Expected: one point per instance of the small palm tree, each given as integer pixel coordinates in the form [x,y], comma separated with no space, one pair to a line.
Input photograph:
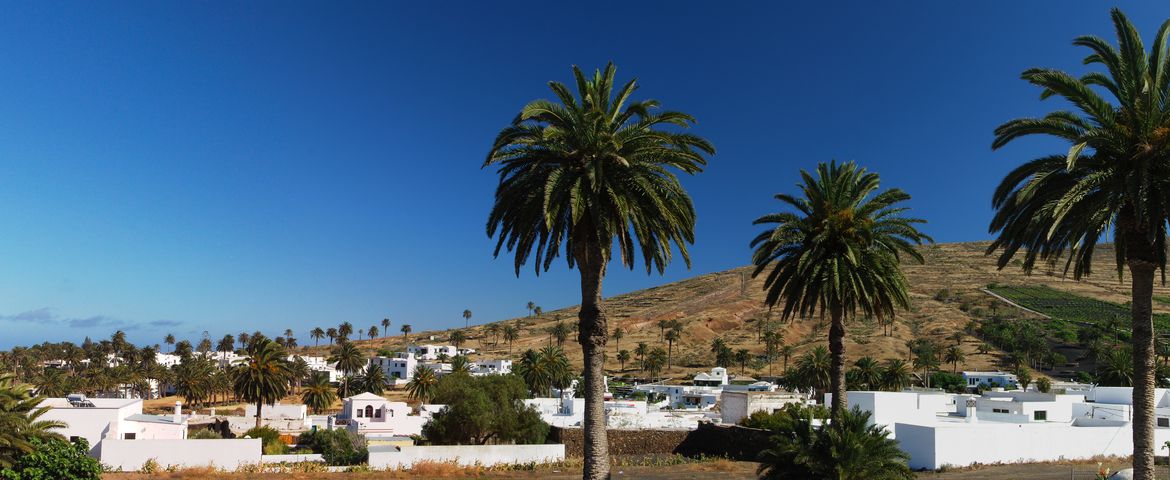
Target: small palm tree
[742,356]
[372,331]
[264,377]
[332,334]
[623,357]
[386,326]
[953,356]
[895,375]
[617,336]
[839,251]
[531,306]
[316,334]
[466,318]
[422,383]
[405,329]
[457,338]
[169,340]
[461,365]
[318,393]
[868,373]
[851,449]
[511,334]
[349,360]
[344,330]
[493,330]
[374,379]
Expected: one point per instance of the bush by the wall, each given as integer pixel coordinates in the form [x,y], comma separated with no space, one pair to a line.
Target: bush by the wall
[55,459]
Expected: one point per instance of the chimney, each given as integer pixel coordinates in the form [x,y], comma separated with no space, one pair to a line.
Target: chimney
[971,418]
[178,418]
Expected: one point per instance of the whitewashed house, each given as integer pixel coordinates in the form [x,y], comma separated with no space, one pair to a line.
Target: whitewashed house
[991,379]
[734,406]
[98,419]
[491,367]
[399,368]
[432,352]
[370,414]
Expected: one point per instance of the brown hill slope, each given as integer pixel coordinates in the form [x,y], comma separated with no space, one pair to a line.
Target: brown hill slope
[728,304]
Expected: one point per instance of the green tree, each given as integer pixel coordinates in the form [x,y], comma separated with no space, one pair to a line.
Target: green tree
[851,449]
[493,329]
[422,383]
[839,252]
[52,459]
[741,357]
[374,380]
[588,173]
[895,375]
[318,393]
[20,424]
[671,336]
[617,336]
[483,409]
[457,338]
[655,360]
[460,365]
[1112,177]
[954,356]
[264,377]
[641,351]
[511,334]
[406,329]
[623,357]
[372,331]
[337,447]
[349,360]
[385,326]
[544,370]
[868,373]
[344,330]
[316,334]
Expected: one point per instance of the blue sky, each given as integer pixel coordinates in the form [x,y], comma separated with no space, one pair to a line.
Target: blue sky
[181,167]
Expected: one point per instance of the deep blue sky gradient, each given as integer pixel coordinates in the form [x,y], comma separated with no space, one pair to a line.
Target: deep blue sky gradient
[181,167]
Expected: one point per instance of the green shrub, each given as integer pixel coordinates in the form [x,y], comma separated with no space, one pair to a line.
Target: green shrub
[337,447]
[204,434]
[270,438]
[948,381]
[779,419]
[55,459]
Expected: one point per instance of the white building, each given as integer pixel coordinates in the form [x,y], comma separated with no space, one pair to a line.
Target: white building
[717,378]
[370,414]
[98,419]
[278,411]
[432,352]
[167,360]
[991,379]
[491,367]
[734,406]
[399,367]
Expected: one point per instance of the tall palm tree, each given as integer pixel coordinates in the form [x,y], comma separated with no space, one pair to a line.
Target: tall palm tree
[839,251]
[531,305]
[457,338]
[226,344]
[493,330]
[385,326]
[20,423]
[318,393]
[617,336]
[641,350]
[317,334]
[868,373]
[349,360]
[584,174]
[623,356]
[538,311]
[1115,177]
[405,329]
[344,330]
[332,334]
[264,377]
[169,340]
[466,318]
[422,383]
[372,331]
[360,332]
[672,336]
[742,356]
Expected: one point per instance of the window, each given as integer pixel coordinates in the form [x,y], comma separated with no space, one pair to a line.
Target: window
[1040,415]
[74,438]
[369,411]
[359,413]
[128,436]
[378,413]
[1000,410]
[1163,422]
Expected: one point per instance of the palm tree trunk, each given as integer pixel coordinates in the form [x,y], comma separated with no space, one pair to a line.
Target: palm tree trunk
[591,334]
[259,405]
[837,356]
[1142,272]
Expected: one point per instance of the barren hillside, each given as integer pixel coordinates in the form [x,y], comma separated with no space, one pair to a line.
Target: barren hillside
[729,305]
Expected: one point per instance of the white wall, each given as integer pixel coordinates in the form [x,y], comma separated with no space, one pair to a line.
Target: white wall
[277,411]
[961,445]
[130,455]
[387,456]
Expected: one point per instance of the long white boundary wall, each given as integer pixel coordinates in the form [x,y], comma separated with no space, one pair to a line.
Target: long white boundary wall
[130,455]
[387,456]
[933,446]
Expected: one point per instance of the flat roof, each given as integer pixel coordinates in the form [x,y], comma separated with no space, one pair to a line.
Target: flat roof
[98,403]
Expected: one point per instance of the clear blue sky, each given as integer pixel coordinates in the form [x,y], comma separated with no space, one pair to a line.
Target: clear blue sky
[220,166]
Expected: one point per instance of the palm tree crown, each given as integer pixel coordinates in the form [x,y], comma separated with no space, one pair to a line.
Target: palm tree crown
[837,250]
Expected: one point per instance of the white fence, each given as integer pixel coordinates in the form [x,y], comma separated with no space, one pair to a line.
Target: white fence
[387,456]
[130,455]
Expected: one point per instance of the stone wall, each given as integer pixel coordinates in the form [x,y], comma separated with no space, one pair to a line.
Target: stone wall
[735,442]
